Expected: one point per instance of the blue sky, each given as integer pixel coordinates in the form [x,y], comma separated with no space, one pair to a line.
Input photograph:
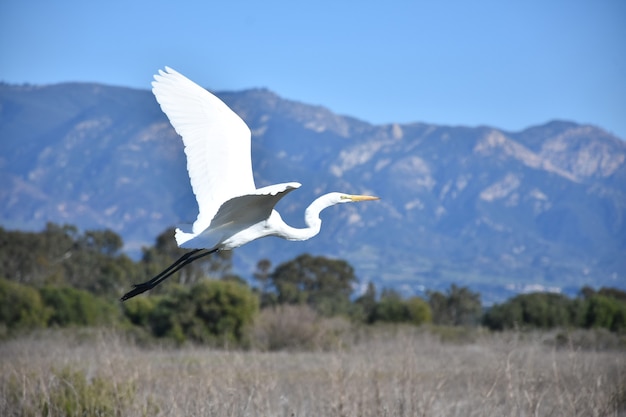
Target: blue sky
[508,64]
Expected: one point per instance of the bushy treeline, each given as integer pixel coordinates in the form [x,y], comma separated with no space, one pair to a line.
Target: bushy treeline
[92,260]
[24,306]
[62,277]
[605,308]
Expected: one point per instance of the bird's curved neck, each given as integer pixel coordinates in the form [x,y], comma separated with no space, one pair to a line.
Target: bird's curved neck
[311,218]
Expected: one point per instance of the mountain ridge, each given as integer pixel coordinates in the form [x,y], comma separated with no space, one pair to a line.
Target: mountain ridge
[473,205]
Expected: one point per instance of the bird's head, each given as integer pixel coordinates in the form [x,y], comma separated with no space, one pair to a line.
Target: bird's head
[349,198]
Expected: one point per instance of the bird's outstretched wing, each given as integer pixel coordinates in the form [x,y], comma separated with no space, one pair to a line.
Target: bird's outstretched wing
[252,208]
[217,142]
[236,215]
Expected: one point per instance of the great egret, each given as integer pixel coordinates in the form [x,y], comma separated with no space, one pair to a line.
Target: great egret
[232,211]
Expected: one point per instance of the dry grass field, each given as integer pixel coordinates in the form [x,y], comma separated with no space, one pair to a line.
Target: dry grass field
[380,372]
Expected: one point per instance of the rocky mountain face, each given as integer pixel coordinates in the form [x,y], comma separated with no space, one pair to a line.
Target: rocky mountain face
[498,211]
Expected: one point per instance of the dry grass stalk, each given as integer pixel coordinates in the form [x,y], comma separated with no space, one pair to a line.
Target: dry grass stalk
[402,372]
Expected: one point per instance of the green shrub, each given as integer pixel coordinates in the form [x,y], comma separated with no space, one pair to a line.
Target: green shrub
[606,312]
[225,307]
[393,309]
[210,311]
[139,309]
[21,307]
[390,309]
[418,311]
[164,320]
[69,306]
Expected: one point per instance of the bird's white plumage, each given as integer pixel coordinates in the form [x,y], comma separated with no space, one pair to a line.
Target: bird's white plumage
[217,142]
[232,212]
[235,215]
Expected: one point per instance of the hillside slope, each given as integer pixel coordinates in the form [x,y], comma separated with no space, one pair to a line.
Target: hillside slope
[479,206]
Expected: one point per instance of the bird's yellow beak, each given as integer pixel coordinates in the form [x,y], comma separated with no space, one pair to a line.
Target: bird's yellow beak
[356,198]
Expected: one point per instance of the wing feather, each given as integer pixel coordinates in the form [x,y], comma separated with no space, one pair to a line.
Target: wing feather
[236,215]
[217,142]
[251,208]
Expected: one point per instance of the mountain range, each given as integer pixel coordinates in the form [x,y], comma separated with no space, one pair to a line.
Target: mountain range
[501,212]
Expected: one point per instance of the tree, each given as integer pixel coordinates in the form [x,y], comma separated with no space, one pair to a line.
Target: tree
[366,304]
[541,309]
[439,306]
[503,316]
[613,293]
[263,275]
[390,308]
[325,284]
[208,311]
[263,272]
[545,310]
[459,306]
[60,255]
[604,311]
[105,241]
[35,258]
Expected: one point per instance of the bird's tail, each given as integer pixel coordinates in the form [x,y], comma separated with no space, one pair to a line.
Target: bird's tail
[183,234]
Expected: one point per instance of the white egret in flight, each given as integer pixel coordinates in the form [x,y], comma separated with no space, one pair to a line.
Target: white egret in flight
[232,211]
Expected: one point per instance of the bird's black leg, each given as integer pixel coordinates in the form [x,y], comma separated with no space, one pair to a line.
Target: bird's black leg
[176,264]
[186,259]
